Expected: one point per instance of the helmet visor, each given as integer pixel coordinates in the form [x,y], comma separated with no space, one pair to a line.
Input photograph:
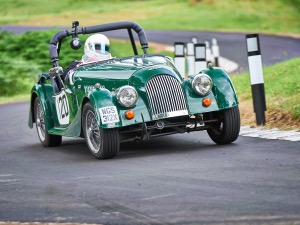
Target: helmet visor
[101,48]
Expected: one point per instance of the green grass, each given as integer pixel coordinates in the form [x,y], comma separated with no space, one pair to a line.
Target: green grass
[282,87]
[22,59]
[16,98]
[263,16]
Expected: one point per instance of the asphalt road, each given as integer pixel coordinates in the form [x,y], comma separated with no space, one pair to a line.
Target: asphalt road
[179,179]
[232,45]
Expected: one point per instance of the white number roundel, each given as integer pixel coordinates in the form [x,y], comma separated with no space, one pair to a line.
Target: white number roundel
[62,108]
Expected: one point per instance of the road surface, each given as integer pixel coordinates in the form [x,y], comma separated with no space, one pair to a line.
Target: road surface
[179,179]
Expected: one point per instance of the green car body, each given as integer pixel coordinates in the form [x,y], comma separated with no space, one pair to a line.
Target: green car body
[166,103]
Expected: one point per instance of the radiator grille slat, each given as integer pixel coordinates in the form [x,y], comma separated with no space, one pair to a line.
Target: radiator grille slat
[166,97]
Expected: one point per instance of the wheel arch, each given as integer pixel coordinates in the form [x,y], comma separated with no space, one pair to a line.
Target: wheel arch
[31,118]
[101,98]
[84,101]
[223,89]
[37,92]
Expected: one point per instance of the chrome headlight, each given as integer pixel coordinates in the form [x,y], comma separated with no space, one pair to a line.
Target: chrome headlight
[127,96]
[202,84]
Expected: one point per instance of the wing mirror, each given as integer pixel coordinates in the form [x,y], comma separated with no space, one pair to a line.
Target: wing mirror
[75,43]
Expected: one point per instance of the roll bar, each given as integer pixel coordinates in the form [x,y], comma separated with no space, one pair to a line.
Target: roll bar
[55,42]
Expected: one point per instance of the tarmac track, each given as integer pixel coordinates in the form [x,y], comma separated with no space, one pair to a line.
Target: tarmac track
[232,45]
[178,179]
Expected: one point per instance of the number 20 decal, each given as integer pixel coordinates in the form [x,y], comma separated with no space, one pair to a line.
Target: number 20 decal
[62,108]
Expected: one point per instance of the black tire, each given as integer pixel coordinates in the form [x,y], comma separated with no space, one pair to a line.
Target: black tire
[228,128]
[102,143]
[47,140]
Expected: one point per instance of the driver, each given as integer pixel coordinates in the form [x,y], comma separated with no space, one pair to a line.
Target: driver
[96,48]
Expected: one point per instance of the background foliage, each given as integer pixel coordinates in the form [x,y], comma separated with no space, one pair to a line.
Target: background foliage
[263,16]
[24,57]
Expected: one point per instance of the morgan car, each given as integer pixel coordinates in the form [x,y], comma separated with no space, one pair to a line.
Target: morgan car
[133,98]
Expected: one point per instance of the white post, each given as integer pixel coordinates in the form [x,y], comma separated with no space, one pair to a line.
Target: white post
[256,78]
[215,51]
[209,57]
[194,40]
[190,58]
[200,57]
[179,59]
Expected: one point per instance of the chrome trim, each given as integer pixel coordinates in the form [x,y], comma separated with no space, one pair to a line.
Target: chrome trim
[193,79]
[118,92]
[166,97]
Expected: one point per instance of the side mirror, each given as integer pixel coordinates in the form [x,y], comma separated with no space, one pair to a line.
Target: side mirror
[75,43]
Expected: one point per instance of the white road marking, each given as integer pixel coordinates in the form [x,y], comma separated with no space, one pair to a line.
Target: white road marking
[8,180]
[5,175]
[159,196]
[292,135]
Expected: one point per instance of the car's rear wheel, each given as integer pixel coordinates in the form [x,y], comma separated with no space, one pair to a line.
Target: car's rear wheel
[102,143]
[227,129]
[47,140]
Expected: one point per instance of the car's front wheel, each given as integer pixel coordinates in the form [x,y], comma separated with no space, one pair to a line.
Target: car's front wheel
[48,140]
[102,143]
[227,129]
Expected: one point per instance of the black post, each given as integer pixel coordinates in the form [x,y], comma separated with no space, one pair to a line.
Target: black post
[256,78]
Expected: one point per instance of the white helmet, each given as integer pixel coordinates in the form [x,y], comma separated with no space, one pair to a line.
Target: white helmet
[96,48]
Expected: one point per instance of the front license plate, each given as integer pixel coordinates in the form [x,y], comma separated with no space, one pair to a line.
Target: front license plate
[109,114]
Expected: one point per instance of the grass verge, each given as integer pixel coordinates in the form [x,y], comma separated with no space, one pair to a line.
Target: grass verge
[276,16]
[282,89]
[15,98]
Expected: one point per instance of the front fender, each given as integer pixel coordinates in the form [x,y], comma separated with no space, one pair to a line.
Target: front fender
[40,91]
[223,89]
[223,95]
[103,98]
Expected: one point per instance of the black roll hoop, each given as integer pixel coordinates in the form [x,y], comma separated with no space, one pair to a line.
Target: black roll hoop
[54,46]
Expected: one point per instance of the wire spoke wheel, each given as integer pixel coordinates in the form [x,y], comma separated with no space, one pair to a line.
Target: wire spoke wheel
[93,132]
[40,122]
[102,143]
[47,140]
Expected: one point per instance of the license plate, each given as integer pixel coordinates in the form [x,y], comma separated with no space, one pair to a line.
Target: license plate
[109,114]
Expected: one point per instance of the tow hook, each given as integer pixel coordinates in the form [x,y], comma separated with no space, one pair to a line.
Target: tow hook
[160,124]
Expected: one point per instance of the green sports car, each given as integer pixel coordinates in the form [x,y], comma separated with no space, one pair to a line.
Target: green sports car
[128,99]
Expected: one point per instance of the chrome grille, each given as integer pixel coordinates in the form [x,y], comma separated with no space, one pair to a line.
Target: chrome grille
[166,97]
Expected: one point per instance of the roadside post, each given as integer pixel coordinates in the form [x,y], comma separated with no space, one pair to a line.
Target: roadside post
[190,58]
[179,59]
[194,40]
[256,78]
[215,51]
[209,56]
[200,57]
